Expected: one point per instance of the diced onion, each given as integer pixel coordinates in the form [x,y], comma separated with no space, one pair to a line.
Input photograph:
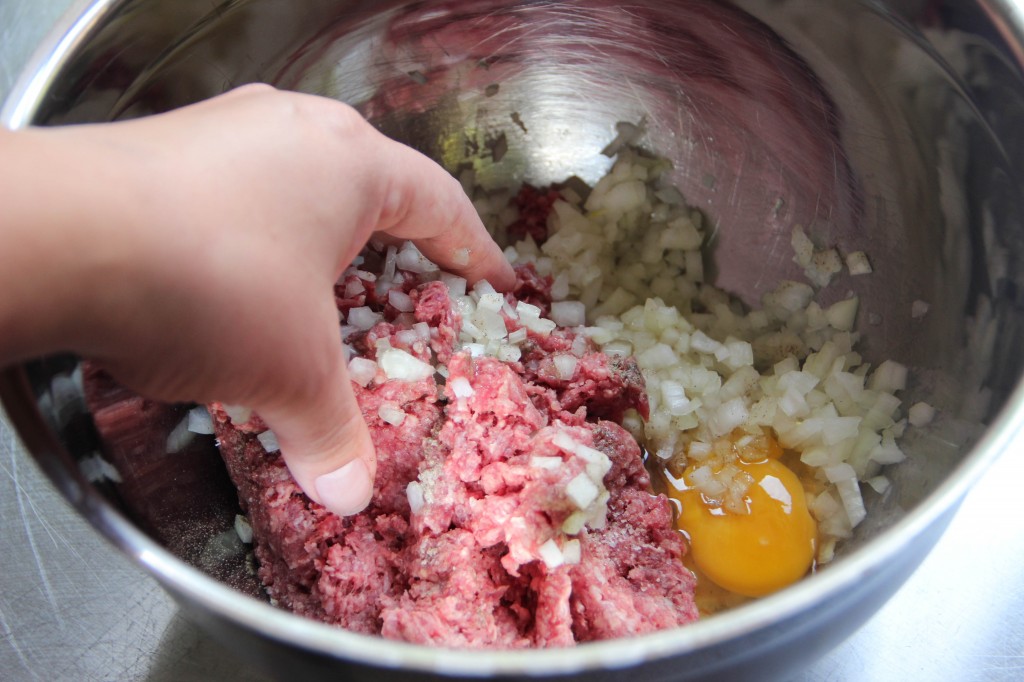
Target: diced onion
[390,259]
[401,301]
[803,247]
[411,260]
[921,414]
[527,310]
[407,337]
[887,453]
[391,414]
[565,365]
[548,463]
[268,439]
[539,325]
[704,480]
[699,450]
[568,313]
[491,302]
[550,554]
[840,472]
[879,484]
[363,318]
[354,288]
[422,330]
[507,353]
[582,491]
[200,421]
[414,493]
[475,350]
[849,493]
[179,437]
[890,376]
[574,523]
[843,314]
[858,264]
[461,388]
[398,364]
[243,529]
[362,370]
[456,285]
[482,288]
[238,414]
[572,552]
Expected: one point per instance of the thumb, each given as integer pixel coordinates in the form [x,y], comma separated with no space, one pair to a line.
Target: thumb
[326,444]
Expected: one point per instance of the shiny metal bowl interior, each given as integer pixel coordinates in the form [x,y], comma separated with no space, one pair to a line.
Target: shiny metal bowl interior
[892,129]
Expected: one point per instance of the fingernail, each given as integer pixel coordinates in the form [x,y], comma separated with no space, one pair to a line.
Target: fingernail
[346,490]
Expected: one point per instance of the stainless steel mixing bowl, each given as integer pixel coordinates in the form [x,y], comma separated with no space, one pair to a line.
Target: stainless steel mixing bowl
[889,128]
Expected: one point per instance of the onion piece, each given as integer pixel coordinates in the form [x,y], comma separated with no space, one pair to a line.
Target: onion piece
[548,463]
[200,421]
[582,491]
[398,364]
[411,260]
[243,529]
[390,259]
[890,376]
[363,318]
[550,554]
[843,314]
[268,439]
[920,414]
[461,388]
[853,504]
[354,288]
[401,301]
[565,365]
[572,552]
[237,413]
[568,313]
[391,414]
[456,285]
[179,437]
[362,370]
[414,493]
[858,264]
[508,353]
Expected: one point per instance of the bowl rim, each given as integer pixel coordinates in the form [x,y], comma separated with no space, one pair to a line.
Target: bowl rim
[70,32]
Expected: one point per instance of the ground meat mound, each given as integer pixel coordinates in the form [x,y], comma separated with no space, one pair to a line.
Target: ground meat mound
[510,509]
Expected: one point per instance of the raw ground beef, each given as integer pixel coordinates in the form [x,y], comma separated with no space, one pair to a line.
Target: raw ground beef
[486,527]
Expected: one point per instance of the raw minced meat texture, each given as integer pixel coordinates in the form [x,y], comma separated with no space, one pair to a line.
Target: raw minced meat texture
[510,509]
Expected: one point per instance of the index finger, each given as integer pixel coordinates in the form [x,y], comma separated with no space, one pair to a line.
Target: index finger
[427,205]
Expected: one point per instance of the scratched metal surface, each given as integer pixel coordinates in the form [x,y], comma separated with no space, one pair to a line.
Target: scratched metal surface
[73,608]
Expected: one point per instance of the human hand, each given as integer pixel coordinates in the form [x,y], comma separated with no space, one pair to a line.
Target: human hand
[210,277]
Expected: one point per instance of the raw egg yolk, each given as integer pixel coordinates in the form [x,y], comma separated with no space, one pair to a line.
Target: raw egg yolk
[751,554]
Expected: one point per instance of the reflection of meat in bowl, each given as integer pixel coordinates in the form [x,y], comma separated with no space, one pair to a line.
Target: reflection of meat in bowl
[770,123]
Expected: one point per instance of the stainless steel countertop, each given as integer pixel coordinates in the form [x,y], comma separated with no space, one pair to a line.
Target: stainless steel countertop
[74,608]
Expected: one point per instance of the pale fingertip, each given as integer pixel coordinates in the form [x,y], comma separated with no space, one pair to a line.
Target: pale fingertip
[347,490]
